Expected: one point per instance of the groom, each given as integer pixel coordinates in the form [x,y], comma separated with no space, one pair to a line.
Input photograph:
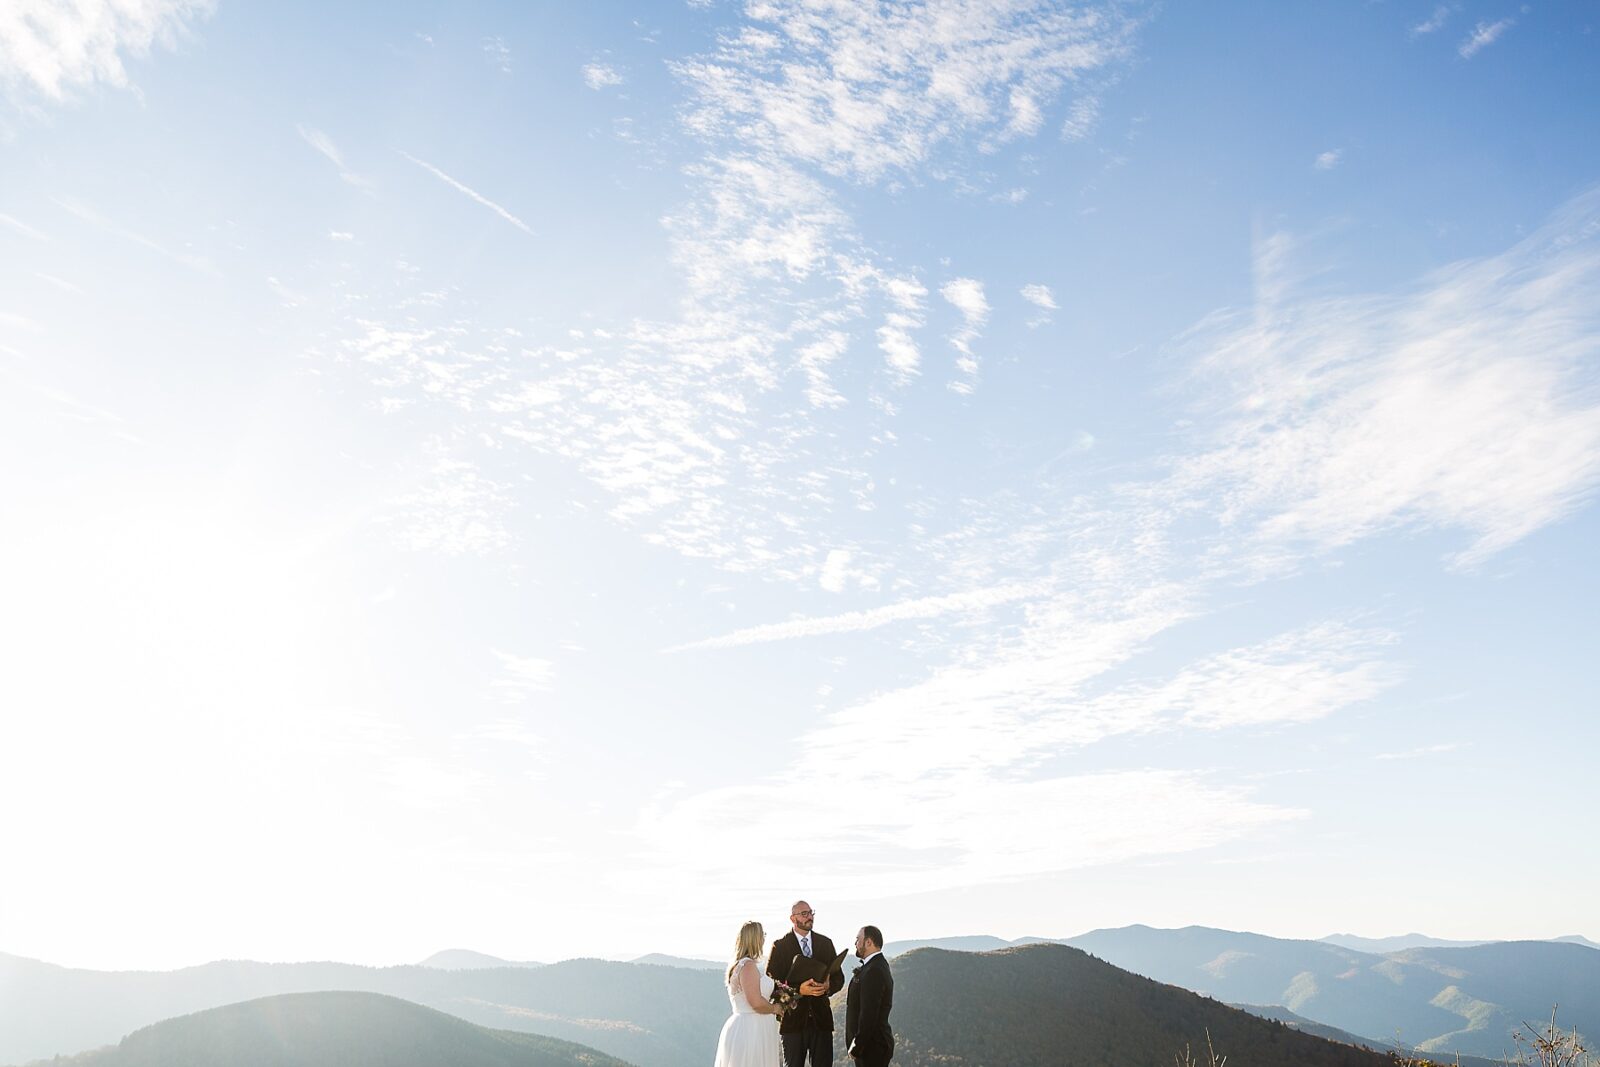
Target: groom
[808,1028]
[867,1036]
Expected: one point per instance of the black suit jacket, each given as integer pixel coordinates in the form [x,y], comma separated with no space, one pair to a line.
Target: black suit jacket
[817,1010]
[866,1012]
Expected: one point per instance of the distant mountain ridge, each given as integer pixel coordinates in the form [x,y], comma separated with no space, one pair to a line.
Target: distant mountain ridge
[464,959]
[657,1016]
[693,963]
[1386,945]
[334,1030]
[967,943]
[1578,939]
[1382,945]
[1451,999]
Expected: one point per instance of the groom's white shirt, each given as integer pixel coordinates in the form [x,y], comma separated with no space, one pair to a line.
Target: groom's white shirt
[872,957]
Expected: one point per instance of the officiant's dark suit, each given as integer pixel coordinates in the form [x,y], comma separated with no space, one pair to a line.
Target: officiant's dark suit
[807,1030]
[866,1007]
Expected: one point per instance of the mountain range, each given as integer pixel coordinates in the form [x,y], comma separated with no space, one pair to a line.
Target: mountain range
[659,1010]
[1049,1004]
[333,1030]
[1446,999]
[636,1012]
[1436,996]
[1039,1005]
[1382,945]
[464,959]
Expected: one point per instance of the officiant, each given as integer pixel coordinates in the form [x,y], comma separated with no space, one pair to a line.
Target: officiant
[807,1030]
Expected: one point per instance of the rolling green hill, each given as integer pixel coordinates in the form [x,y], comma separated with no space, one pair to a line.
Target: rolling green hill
[334,1030]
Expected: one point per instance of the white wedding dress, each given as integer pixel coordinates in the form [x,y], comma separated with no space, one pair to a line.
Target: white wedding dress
[748,1039]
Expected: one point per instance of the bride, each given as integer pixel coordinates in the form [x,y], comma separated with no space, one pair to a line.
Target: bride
[750,1036]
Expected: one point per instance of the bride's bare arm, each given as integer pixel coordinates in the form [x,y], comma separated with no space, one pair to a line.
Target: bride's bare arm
[750,982]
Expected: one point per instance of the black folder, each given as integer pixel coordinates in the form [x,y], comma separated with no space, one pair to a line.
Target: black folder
[814,968]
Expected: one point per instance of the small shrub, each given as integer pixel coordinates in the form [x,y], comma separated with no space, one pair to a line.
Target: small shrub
[1550,1046]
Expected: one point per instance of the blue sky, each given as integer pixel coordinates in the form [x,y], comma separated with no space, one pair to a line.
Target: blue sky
[564,479]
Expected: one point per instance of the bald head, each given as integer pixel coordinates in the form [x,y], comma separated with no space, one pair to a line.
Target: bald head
[803,918]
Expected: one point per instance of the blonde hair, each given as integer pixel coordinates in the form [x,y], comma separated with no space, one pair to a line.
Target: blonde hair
[751,940]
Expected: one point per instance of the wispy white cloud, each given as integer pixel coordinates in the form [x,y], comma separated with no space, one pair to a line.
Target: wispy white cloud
[52,49]
[959,833]
[66,406]
[18,226]
[1423,751]
[1459,403]
[87,214]
[966,296]
[835,570]
[509,731]
[452,508]
[498,53]
[971,746]
[1026,115]
[599,76]
[862,90]
[718,433]
[1483,35]
[1296,677]
[1040,296]
[895,338]
[1435,21]
[471,193]
[815,359]
[522,676]
[1082,118]
[324,144]
[11,320]
[977,600]
[1329,159]
[60,283]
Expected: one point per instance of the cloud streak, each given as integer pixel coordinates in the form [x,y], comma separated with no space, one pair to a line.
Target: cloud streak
[330,151]
[1483,35]
[858,621]
[472,194]
[87,214]
[18,226]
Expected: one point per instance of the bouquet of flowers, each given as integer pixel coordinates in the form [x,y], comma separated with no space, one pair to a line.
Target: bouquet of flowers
[785,996]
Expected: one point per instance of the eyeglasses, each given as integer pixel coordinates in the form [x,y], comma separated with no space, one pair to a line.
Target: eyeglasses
[803,914]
